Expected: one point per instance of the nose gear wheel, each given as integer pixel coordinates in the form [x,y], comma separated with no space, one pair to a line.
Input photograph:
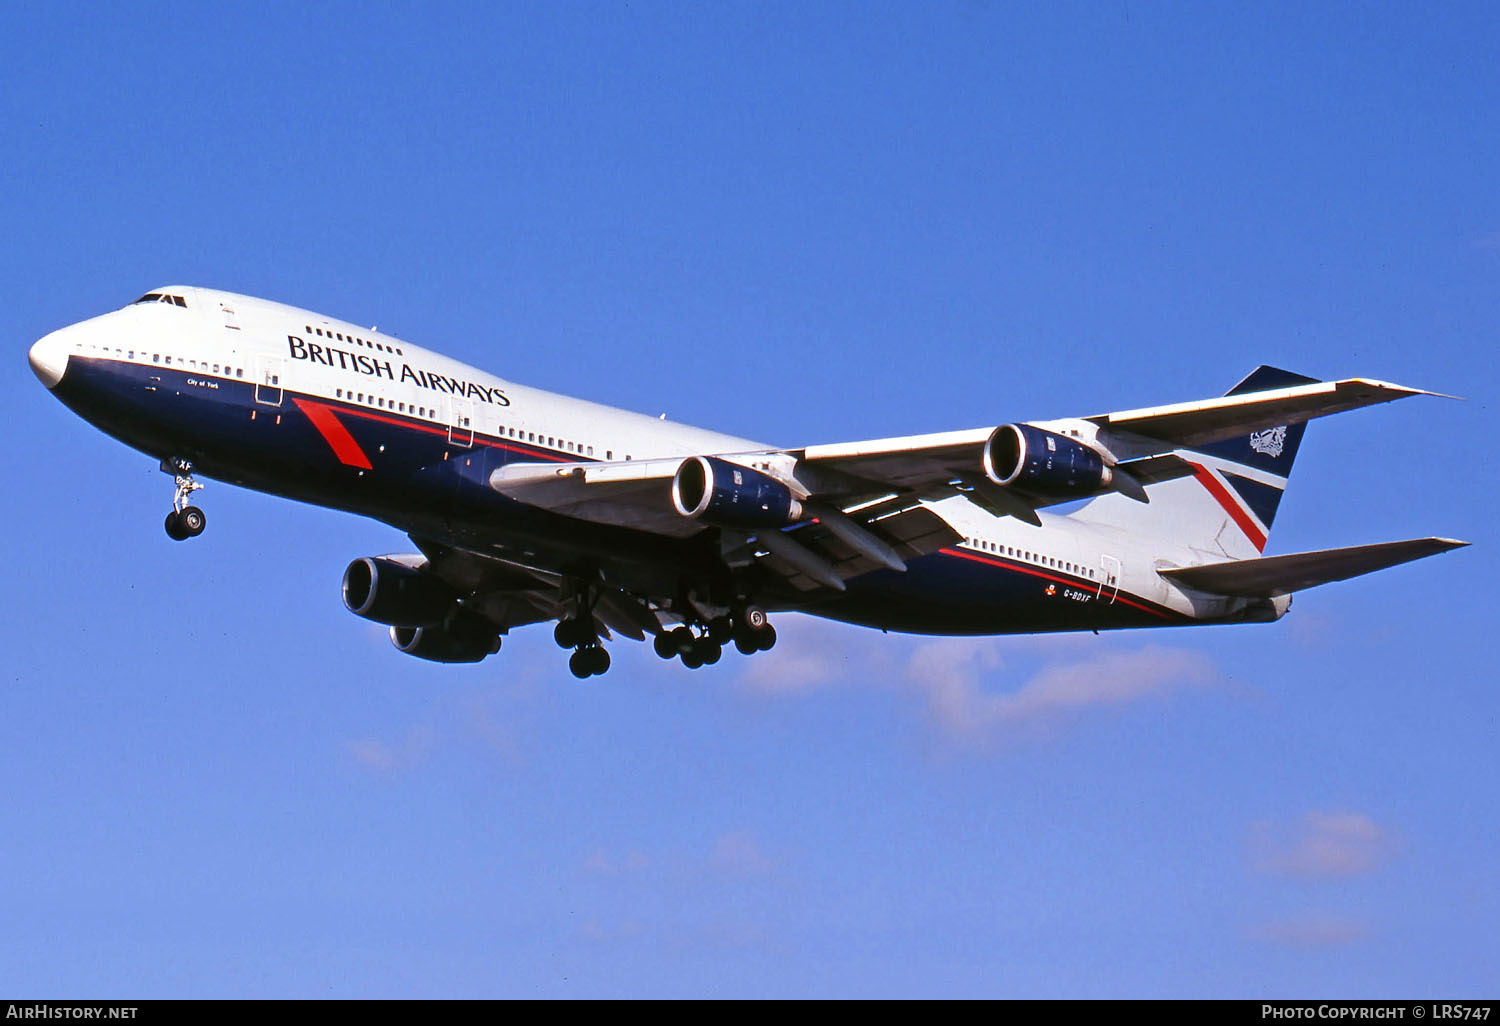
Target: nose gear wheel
[184,521]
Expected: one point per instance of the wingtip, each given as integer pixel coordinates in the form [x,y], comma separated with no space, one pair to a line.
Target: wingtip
[1405,390]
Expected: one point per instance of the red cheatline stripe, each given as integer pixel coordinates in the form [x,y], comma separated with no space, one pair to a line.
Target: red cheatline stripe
[1167,614]
[1209,480]
[332,412]
[479,438]
[335,434]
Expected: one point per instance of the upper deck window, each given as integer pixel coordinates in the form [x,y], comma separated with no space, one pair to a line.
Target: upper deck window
[161,297]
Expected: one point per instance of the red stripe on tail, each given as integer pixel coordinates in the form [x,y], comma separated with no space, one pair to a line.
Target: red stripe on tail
[1215,487]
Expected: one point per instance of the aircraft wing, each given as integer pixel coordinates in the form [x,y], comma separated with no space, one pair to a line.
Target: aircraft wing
[1214,420]
[1282,575]
[627,493]
[863,502]
[511,594]
[952,462]
[844,530]
[915,461]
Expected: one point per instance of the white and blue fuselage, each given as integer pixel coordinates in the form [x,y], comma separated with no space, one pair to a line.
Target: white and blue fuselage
[297,404]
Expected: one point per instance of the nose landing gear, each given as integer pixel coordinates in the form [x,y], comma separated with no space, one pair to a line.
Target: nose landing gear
[184,521]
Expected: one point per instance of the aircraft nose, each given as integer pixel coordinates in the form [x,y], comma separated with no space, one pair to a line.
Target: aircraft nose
[49,358]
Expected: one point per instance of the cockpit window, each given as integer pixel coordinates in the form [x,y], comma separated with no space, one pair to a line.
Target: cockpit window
[161,297]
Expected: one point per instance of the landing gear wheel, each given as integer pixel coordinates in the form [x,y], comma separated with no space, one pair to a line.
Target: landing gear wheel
[564,634]
[682,640]
[691,659]
[750,640]
[184,521]
[598,659]
[665,645]
[191,521]
[753,617]
[580,664]
[765,638]
[707,650]
[588,661]
[720,629]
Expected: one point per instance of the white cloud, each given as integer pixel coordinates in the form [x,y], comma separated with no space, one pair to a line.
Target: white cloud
[691,894]
[809,654]
[600,864]
[1327,845]
[1311,931]
[389,758]
[951,672]
[738,854]
[959,680]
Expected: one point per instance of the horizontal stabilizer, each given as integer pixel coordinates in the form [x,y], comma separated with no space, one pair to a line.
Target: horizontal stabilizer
[1282,575]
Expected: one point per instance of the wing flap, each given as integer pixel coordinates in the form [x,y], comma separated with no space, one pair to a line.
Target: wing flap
[910,531]
[1282,575]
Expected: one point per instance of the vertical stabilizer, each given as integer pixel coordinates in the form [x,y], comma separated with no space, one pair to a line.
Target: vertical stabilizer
[1226,508]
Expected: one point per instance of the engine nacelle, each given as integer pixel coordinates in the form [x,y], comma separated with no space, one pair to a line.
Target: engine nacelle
[465,638]
[1044,462]
[719,492]
[381,589]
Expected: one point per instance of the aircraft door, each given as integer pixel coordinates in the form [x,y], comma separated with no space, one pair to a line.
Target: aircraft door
[460,422]
[1109,578]
[268,371]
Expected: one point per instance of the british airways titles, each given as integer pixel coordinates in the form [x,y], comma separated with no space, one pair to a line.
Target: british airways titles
[362,363]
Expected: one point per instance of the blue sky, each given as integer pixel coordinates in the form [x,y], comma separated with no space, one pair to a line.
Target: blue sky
[798,225]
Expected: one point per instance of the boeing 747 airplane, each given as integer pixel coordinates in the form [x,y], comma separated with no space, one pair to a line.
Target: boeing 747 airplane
[529,507]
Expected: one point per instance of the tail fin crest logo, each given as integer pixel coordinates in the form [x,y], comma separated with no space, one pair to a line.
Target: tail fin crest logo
[1270,441]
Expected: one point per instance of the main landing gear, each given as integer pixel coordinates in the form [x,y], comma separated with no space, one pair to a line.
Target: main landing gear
[747,627]
[589,658]
[184,521]
[697,642]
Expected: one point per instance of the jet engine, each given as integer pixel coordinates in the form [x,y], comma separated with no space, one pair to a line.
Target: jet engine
[463,638]
[387,591]
[719,492]
[1044,462]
